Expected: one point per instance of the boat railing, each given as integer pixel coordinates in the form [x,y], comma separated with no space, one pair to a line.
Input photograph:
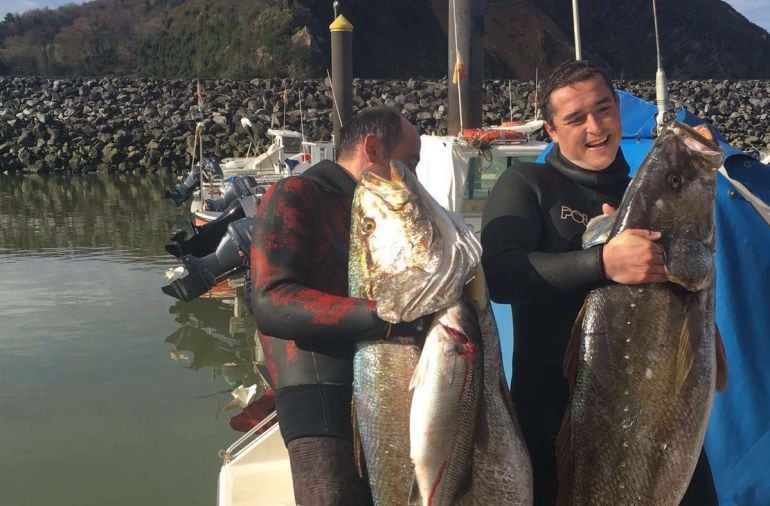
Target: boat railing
[232,451]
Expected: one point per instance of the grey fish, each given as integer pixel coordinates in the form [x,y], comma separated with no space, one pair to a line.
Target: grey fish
[501,469]
[643,359]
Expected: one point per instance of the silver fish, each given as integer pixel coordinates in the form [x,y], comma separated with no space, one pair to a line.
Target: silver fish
[446,393]
[411,257]
[414,258]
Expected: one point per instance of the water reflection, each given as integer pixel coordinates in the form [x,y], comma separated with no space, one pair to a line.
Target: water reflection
[83,330]
[212,338]
[94,214]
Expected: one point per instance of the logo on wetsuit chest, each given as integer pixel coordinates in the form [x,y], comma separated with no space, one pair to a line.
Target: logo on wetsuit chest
[574,215]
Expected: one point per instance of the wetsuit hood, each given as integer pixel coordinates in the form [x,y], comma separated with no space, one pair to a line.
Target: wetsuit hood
[331,177]
[615,173]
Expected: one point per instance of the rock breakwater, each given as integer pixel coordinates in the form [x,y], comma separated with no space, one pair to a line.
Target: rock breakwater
[146,125]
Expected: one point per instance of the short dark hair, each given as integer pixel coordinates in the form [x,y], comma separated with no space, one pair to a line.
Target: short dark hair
[384,122]
[566,74]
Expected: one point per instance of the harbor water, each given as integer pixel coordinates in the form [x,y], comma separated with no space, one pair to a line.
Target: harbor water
[112,392]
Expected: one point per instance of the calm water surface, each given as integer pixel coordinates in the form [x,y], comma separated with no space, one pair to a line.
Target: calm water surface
[111,392]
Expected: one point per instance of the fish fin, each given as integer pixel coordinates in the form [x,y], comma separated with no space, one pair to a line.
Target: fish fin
[358,449]
[418,376]
[415,498]
[685,353]
[572,353]
[564,460]
[598,230]
[721,362]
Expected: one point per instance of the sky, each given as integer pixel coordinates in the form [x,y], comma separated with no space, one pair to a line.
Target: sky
[756,11]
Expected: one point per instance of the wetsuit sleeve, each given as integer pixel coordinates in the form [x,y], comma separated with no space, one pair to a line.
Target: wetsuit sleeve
[516,267]
[283,305]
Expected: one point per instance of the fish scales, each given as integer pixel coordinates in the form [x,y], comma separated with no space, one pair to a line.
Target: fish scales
[446,388]
[382,399]
[414,259]
[644,446]
[643,364]
[501,472]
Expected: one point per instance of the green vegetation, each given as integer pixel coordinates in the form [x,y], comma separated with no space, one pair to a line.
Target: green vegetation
[163,38]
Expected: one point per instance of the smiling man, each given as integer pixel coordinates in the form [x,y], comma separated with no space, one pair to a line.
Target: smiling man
[533,260]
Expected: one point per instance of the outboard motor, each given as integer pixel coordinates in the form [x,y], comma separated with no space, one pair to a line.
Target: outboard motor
[241,186]
[207,237]
[182,192]
[230,258]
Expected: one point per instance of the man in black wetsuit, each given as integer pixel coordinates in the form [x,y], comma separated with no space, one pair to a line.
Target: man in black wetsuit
[531,234]
[307,324]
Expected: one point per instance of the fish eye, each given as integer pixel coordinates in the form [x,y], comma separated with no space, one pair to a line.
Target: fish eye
[368,225]
[674,181]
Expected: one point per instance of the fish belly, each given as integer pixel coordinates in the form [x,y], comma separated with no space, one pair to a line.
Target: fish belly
[382,371]
[636,431]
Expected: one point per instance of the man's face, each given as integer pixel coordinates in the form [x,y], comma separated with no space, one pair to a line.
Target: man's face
[586,123]
[407,150]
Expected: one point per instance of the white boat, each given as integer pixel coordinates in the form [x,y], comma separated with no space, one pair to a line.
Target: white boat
[288,154]
[255,469]
[459,173]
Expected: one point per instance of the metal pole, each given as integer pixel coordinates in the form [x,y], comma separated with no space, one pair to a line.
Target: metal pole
[576,29]
[661,88]
[466,64]
[342,71]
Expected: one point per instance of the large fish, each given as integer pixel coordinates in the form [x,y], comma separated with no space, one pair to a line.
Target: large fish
[412,257]
[643,359]
[447,408]
[501,469]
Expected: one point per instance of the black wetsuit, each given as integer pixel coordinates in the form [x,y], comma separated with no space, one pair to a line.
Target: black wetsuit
[307,326]
[531,234]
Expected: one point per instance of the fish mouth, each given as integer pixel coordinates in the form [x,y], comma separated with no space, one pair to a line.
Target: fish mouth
[701,141]
[599,144]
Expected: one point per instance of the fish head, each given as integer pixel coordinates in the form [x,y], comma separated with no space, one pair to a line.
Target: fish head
[406,252]
[673,189]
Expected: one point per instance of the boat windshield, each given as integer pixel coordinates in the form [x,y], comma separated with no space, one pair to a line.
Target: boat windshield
[482,176]
[292,145]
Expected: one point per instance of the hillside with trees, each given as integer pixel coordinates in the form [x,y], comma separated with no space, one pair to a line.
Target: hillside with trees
[393,39]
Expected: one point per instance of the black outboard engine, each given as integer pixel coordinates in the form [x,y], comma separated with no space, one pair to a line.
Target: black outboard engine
[231,257]
[241,186]
[182,192]
[242,202]
[207,237]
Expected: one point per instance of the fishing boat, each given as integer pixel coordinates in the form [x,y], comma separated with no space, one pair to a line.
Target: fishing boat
[288,154]
[229,190]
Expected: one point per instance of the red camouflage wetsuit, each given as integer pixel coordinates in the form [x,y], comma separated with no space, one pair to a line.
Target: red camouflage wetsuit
[307,325]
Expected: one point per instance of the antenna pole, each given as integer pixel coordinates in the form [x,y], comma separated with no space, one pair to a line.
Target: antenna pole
[661,88]
[576,29]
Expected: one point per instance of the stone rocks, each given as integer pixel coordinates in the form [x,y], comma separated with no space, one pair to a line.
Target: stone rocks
[118,125]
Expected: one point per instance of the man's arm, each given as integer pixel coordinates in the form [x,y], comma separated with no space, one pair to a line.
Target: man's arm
[282,241]
[516,269]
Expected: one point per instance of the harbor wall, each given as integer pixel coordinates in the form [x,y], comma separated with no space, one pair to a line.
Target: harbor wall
[147,125]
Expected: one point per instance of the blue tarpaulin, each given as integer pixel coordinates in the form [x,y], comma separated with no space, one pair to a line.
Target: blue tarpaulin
[738,437]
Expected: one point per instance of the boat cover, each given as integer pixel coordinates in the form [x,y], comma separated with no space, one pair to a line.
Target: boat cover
[738,437]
